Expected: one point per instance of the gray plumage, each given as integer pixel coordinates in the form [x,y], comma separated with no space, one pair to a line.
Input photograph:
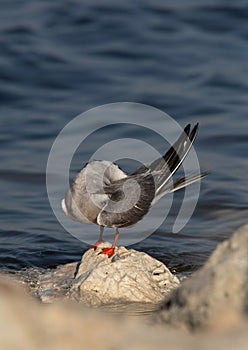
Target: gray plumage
[103,194]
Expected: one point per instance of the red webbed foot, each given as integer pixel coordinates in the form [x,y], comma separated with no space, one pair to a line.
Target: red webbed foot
[108,251]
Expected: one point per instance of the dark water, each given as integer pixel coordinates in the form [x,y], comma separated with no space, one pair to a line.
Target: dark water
[59,59]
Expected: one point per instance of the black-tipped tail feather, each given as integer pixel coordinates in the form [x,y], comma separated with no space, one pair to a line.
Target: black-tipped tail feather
[164,167]
[178,184]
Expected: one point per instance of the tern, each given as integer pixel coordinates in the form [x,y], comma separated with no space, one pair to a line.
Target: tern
[104,195]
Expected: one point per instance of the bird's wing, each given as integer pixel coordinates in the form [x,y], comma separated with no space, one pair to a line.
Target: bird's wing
[174,157]
[127,204]
[176,185]
[163,168]
[129,200]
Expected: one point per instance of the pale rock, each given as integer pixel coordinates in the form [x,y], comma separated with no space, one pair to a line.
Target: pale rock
[129,276]
[219,288]
[26,324]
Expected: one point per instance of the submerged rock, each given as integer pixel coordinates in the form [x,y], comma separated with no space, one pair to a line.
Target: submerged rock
[128,277]
[216,291]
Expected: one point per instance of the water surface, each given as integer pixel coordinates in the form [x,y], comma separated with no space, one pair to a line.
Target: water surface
[59,59]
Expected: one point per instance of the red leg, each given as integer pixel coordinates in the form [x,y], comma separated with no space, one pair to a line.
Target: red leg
[100,239]
[110,251]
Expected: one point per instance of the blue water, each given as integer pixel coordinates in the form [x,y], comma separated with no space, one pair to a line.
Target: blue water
[59,59]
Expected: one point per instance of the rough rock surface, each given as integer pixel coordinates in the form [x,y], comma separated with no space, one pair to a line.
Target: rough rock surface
[26,324]
[128,277]
[221,286]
